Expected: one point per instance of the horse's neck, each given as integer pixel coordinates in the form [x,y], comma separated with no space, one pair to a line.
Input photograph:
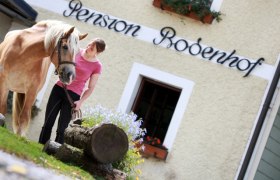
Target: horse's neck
[35,43]
[34,40]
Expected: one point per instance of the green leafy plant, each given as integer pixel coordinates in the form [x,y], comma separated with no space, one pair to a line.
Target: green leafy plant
[201,8]
[131,126]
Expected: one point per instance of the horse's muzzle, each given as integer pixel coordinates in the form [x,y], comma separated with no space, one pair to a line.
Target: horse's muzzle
[67,74]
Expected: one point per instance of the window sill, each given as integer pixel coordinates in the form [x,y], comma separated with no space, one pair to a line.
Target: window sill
[207,19]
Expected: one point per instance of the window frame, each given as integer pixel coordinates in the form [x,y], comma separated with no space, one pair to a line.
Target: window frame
[138,71]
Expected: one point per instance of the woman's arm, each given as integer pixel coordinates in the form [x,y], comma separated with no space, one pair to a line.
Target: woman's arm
[91,85]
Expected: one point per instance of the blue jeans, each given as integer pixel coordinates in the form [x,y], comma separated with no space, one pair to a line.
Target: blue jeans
[57,103]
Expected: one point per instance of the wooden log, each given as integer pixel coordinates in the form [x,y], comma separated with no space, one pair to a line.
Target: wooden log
[70,154]
[105,143]
[77,136]
[51,147]
[75,156]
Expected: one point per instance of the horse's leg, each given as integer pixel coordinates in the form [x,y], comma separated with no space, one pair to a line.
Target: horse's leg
[18,100]
[23,112]
[3,98]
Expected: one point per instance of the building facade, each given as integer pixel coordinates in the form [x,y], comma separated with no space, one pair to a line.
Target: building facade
[208,92]
[15,15]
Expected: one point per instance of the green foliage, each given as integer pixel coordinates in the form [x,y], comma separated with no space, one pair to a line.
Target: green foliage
[216,15]
[131,126]
[130,160]
[200,7]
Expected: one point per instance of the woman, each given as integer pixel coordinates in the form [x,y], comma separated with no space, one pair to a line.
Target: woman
[88,68]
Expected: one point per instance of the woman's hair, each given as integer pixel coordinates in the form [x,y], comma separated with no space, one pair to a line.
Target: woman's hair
[100,44]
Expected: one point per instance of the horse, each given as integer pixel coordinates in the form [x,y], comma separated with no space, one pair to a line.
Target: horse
[25,57]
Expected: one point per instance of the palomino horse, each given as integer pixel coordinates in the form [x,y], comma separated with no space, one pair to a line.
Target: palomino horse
[25,56]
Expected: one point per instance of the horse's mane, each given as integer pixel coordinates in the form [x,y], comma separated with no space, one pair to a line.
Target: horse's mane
[54,31]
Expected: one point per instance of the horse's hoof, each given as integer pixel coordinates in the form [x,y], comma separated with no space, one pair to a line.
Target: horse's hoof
[2,120]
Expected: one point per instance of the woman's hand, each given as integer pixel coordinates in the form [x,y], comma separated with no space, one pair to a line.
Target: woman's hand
[78,105]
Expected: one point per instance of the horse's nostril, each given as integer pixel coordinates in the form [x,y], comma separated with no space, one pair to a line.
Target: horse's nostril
[69,74]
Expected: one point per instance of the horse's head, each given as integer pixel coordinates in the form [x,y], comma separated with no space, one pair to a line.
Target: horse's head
[66,49]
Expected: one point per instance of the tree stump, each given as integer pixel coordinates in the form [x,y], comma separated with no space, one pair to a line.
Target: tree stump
[106,143]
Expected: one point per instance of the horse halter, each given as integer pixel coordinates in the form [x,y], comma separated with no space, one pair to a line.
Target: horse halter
[60,62]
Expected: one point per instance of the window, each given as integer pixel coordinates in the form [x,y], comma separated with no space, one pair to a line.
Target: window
[155,104]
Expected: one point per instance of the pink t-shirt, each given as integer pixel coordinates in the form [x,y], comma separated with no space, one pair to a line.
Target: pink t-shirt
[84,70]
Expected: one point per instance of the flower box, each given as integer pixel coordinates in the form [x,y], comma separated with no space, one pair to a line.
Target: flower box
[153,151]
[208,18]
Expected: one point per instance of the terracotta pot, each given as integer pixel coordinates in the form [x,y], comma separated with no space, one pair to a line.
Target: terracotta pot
[206,19]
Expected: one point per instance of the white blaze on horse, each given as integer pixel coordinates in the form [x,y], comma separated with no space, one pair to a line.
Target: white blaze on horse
[25,56]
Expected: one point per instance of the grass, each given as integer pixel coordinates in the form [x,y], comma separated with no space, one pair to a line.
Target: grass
[32,151]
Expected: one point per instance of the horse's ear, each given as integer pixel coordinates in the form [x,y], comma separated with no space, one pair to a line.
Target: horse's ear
[67,34]
[82,36]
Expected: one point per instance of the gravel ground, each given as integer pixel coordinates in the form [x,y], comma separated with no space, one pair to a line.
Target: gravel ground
[13,168]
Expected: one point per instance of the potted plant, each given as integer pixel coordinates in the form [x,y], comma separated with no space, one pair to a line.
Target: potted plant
[196,9]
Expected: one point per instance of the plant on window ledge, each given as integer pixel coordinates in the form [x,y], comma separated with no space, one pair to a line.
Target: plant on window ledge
[197,9]
[152,147]
[154,141]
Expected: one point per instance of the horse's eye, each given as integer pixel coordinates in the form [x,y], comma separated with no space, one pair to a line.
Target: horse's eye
[65,47]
